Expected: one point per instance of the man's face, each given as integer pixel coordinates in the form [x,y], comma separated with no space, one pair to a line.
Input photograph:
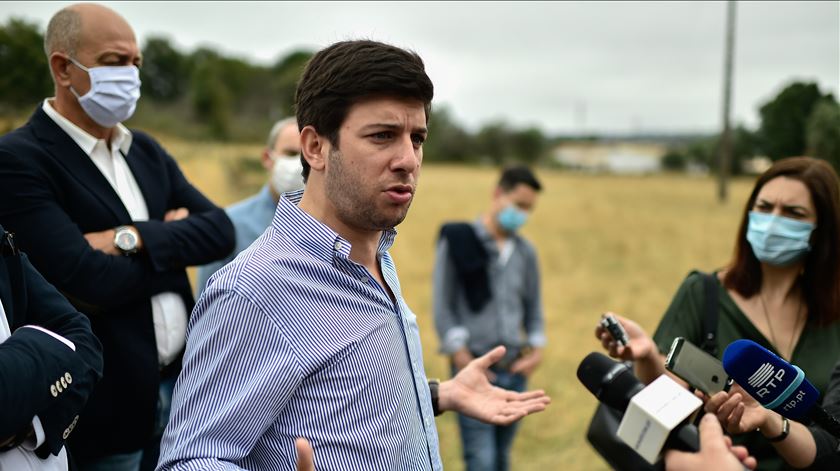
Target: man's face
[105,40]
[287,143]
[521,196]
[372,175]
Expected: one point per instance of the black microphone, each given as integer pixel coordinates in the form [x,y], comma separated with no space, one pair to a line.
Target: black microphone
[614,384]
[776,384]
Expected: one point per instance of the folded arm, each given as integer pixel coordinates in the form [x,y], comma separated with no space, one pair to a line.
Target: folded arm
[34,363]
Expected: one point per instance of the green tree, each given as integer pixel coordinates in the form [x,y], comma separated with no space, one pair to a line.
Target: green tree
[210,95]
[284,76]
[493,143]
[823,132]
[528,145]
[674,160]
[447,141]
[702,151]
[745,146]
[784,118]
[165,72]
[26,76]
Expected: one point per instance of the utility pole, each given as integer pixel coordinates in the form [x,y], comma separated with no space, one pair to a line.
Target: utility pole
[725,149]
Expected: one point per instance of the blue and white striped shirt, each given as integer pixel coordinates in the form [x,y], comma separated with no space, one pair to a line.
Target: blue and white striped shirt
[293,339]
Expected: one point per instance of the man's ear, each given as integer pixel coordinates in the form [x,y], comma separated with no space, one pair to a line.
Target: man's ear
[59,66]
[266,159]
[314,148]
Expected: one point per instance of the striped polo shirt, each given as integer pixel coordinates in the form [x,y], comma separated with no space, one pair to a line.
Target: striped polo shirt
[294,339]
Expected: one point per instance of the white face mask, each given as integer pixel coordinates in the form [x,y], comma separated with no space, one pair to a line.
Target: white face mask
[113,94]
[286,174]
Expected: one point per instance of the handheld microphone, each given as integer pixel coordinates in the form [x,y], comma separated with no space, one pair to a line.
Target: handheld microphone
[776,384]
[614,384]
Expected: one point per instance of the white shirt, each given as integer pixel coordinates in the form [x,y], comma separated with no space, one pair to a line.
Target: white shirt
[169,313]
[23,458]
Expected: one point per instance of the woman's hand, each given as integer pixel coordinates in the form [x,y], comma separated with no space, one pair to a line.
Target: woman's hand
[737,411]
[640,345]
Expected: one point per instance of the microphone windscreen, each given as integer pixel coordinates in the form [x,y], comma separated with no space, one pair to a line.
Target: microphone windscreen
[772,381]
[612,382]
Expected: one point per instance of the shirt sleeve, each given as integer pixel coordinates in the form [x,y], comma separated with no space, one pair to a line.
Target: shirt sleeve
[452,335]
[239,372]
[533,312]
[684,317]
[828,446]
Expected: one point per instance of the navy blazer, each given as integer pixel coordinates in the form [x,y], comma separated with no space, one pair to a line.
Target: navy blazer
[39,375]
[51,194]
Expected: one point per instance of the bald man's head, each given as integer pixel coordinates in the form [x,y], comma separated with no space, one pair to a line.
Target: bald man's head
[77,25]
[63,32]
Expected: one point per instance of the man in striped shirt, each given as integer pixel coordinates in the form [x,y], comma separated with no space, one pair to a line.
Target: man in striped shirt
[306,332]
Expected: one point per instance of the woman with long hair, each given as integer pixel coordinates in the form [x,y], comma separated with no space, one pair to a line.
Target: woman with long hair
[781,290]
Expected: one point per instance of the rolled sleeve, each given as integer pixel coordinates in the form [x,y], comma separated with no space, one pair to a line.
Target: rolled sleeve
[451,334]
[533,315]
[455,339]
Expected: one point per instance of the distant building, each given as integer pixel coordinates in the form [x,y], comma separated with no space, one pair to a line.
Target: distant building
[756,165]
[633,158]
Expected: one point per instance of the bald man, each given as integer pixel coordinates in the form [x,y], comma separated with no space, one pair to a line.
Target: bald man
[106,216]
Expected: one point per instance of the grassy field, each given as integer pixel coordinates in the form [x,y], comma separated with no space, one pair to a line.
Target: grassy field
[604,242]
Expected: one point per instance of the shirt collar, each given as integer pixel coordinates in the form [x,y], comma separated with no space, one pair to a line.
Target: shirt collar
[121,138]
[314,236]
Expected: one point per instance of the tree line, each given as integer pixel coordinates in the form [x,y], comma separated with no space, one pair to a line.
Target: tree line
[799,120]
[206,95]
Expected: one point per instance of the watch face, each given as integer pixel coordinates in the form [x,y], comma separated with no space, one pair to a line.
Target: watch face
[126,240]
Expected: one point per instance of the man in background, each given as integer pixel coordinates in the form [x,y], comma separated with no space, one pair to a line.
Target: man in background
[250,217]
[487,293]
[106,215]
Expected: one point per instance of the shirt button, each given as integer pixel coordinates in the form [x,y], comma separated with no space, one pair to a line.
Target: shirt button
[337,245]
[68,378]
[364,279]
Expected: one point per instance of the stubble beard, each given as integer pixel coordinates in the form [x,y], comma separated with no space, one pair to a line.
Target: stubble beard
[346,190]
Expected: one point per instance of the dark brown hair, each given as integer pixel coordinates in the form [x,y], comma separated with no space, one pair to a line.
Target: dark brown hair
[346,72]
[820,282]
[518,174]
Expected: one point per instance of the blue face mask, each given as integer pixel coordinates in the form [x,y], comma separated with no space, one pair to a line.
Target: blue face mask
[511,218]
[778,240]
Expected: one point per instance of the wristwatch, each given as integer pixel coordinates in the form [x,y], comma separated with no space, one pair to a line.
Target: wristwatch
[785,431]
[125,239]
[434,385]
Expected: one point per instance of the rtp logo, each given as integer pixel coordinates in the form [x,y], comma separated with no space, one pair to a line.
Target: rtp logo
[766,379]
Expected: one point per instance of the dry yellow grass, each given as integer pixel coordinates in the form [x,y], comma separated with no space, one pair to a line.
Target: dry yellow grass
[605,243]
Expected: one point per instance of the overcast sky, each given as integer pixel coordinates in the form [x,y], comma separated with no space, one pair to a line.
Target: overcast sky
[566,67]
